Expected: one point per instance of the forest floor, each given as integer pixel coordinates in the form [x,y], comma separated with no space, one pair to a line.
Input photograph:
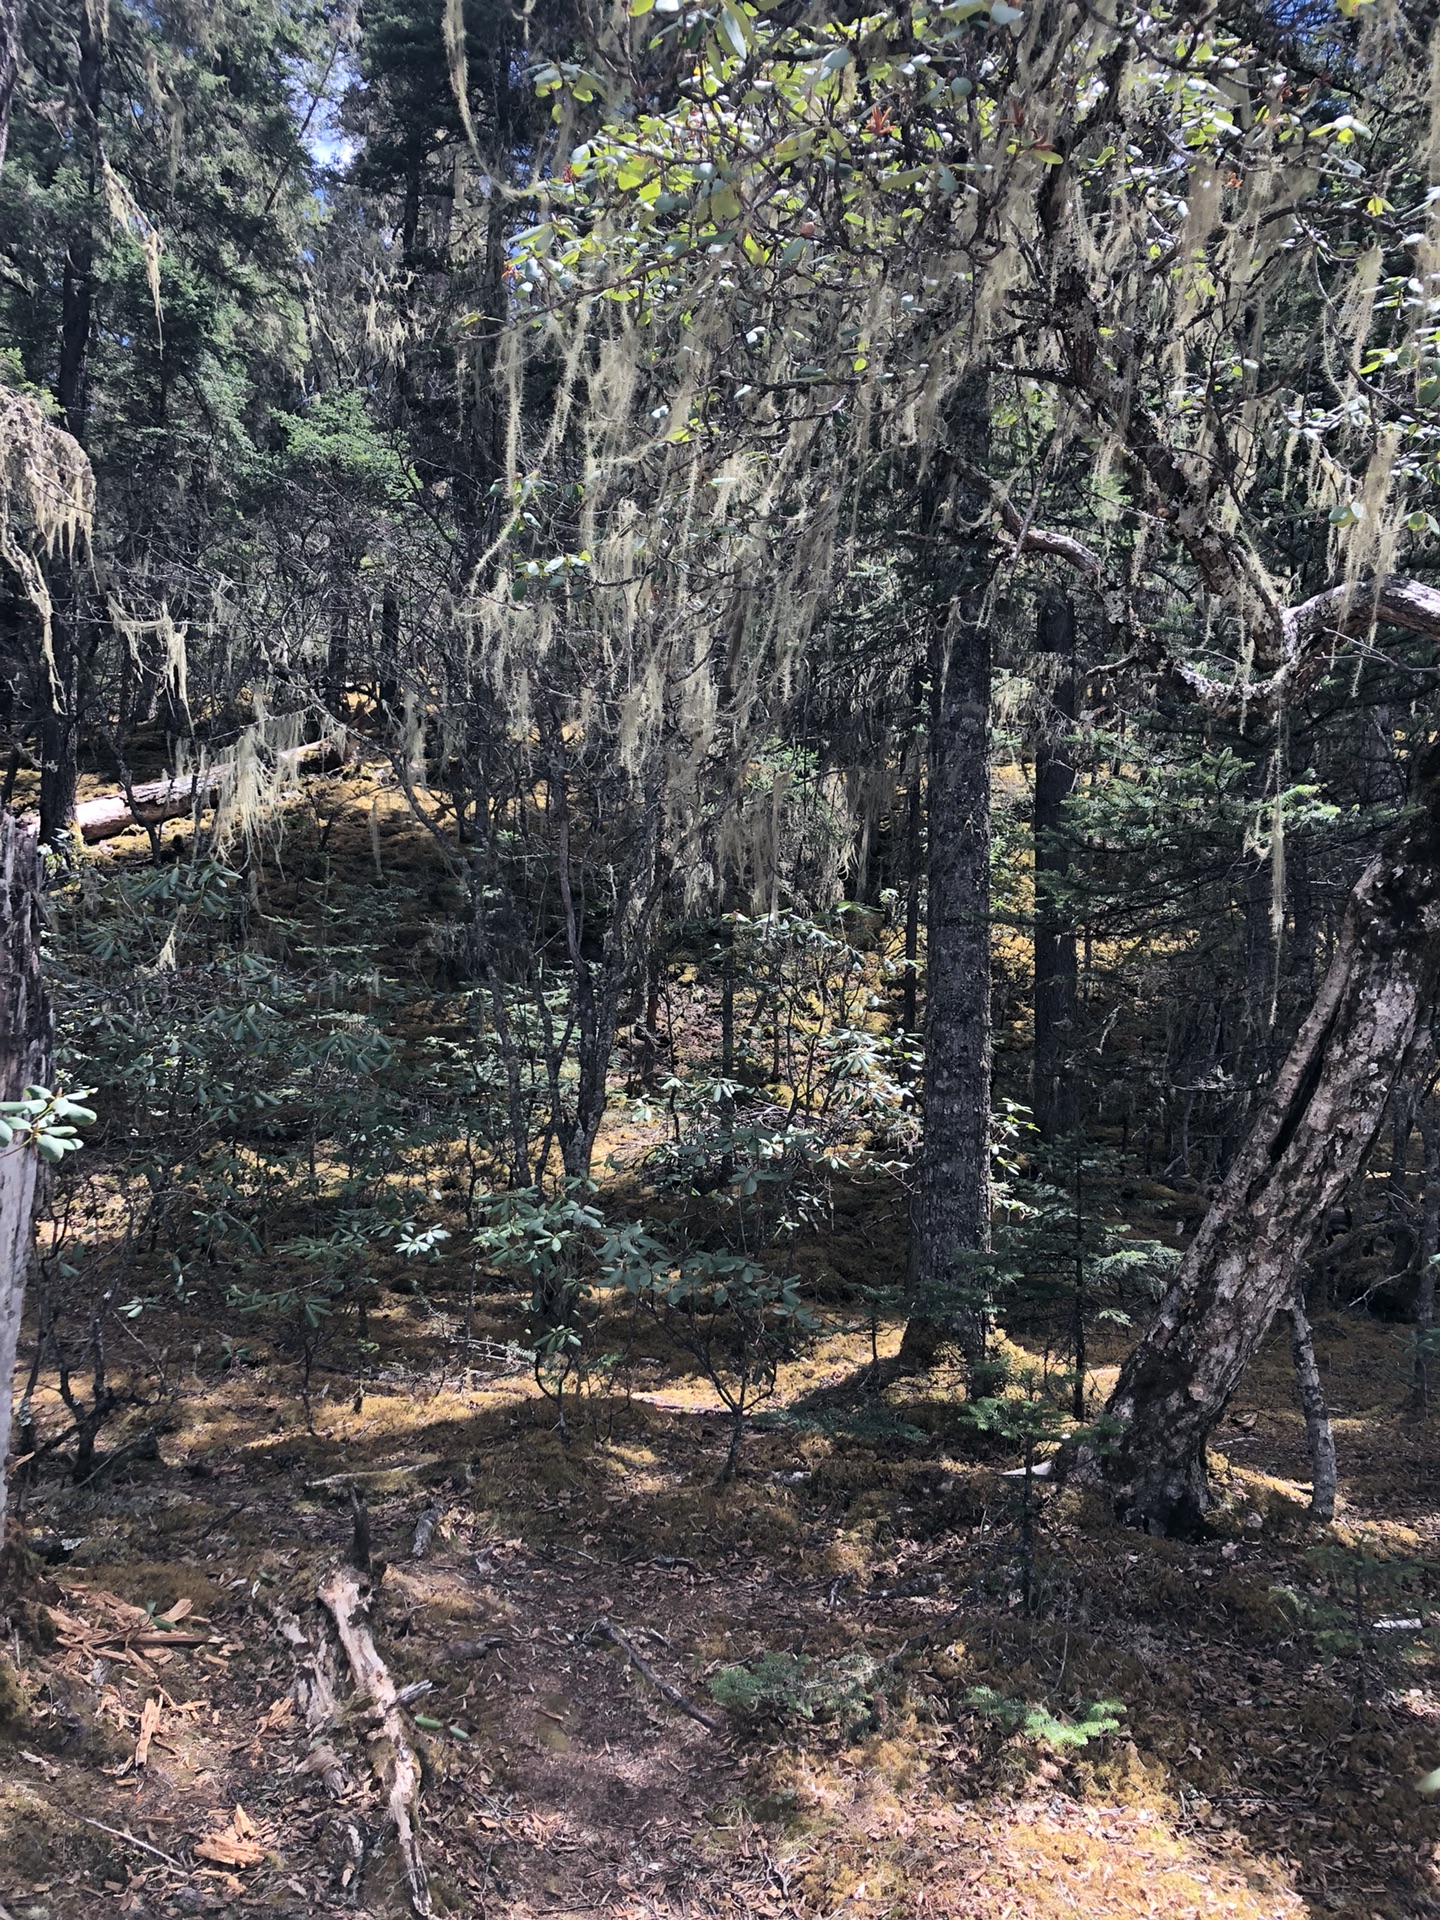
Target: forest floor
[1256,1773]
[1235,1727]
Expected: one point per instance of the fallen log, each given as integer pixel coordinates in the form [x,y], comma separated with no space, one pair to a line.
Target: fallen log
[396,1766]
[155,801]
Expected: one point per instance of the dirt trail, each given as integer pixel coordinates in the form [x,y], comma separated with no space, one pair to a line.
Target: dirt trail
[1249,1782]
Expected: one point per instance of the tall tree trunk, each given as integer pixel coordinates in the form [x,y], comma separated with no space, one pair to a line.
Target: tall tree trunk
[10,14]
[950,1207]
[1399,1227]
[25,1050]
[337,649]
[60,713]
[914,854]
[1319,1119]
[1052,1097]
[1254,1060]
[910,1001]
[389,680]
[59,676]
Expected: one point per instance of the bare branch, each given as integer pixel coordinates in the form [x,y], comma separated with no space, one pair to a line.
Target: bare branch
[1028,539]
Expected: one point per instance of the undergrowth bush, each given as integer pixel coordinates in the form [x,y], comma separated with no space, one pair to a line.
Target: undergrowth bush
[1088,1720]
[789,1686]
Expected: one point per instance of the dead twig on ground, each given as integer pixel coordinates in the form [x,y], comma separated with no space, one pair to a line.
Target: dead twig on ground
[607,1630]
[144,1845]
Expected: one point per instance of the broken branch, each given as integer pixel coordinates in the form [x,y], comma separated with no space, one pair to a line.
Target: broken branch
[606,1630]
[394,1760]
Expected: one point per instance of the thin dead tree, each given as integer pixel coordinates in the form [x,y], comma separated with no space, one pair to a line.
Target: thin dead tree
[26,1032]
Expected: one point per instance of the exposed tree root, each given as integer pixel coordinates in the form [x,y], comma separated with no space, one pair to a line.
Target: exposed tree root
[396,1766]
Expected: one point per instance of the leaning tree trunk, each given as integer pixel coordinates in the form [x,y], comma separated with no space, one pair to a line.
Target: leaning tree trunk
[25,1043]
[1321,1115]
[1319,1434]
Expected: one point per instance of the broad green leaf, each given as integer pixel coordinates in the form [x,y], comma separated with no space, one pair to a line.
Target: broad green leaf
[731,26]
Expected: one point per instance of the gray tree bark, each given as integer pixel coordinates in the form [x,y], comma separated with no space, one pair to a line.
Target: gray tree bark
[1320,1117]
[950,1206]
[1318,1431]
[10,14]
[25,1055]
[1429,1250]
[1052,1093]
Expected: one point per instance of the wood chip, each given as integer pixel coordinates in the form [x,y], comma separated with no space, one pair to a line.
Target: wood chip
[229,1849]
[276,1714]
[149,1727]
